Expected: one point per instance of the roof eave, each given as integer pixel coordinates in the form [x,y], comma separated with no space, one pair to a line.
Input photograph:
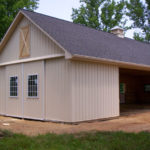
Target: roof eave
[13,26]
[68,55]
[43,31]
[120,64]
[11,30]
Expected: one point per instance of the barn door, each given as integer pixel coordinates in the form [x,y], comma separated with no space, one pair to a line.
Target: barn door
[13,91]
[33,90]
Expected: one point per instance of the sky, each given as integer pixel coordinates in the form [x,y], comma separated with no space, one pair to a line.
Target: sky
[63,9]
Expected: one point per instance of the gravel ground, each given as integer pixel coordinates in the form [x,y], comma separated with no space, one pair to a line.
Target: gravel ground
[135,122]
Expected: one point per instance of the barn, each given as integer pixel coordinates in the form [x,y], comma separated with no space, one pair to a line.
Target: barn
[55,70]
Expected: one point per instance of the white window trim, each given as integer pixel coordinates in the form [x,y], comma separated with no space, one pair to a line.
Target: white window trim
[17,86]
[33,97]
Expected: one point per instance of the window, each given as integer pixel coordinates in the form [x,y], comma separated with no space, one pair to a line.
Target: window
[147,88]
[14,86]
[122,88]
[32,86]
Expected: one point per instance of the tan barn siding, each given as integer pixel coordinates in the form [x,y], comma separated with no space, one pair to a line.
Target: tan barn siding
[33,107]
[2,90]
[58,90]
[23,106]
[13,104]
[41,45]
[95,91]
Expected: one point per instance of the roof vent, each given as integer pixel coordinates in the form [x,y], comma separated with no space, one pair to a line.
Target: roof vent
[118,31]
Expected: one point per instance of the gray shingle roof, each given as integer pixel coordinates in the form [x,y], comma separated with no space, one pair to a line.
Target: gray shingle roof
[81,40]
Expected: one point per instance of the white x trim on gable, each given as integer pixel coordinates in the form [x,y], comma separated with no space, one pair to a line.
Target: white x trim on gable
[24,42]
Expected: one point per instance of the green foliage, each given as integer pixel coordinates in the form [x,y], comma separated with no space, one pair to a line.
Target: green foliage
[139,13]
[9,9]
[112,14]
[88,13]
[100,14]
[80,141]
[138,37]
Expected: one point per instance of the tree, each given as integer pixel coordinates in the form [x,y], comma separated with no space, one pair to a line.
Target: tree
[100,14]
[139,13]
[9,9]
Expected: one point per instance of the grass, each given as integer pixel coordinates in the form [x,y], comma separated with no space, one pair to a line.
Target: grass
[82,141]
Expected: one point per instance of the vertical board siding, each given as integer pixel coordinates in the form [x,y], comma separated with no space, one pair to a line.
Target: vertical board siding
[13,104]
[2,90]
[40,44]
[58,90]
[22,106]
[33,107]
[74,91]
[95,91]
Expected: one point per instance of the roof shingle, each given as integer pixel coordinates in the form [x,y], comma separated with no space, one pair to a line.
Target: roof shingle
[81,40]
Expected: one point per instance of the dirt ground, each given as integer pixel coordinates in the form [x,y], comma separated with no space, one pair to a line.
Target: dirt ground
[129,122]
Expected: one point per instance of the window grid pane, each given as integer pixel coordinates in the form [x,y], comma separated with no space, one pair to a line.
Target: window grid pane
[32,86]
[13,86]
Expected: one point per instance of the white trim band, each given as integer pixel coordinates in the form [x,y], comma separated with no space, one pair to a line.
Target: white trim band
[32,59]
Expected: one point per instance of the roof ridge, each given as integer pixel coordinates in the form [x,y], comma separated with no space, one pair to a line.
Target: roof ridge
[85,41]
[78,24]
[143,42]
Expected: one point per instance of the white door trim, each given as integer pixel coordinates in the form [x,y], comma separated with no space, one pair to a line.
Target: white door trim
[22,88]
[43,91]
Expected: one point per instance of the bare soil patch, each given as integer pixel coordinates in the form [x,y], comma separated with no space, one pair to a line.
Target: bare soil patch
[129,123]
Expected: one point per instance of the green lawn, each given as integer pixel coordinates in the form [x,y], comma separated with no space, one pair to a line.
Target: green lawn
[82,141]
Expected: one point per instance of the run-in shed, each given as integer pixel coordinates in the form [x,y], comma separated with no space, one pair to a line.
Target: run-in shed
[51,69]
